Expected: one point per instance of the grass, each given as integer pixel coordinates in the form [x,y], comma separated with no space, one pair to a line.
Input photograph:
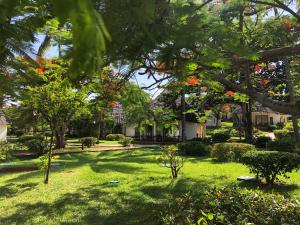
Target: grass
[80,191]
[101,142]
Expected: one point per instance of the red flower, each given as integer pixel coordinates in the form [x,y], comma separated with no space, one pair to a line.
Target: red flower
[258,68]
[287,24]
[264,82]
[229,93]
[113,104]
[40,69]
[193,81]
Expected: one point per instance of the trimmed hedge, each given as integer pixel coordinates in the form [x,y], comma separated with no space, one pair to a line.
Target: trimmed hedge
[279,134]
[194,148]
[26,138]
[220,135]
[262,141]
[115,137]
[126,141]
[88,141]
[227,152]
[230,206]
[283,145]
[269,165]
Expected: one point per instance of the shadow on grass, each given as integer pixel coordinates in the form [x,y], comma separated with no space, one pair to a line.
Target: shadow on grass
[11,190]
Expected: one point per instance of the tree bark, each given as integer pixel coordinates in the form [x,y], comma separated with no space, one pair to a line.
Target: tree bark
[46,180]
[60,137]
[292,100]
[183,117]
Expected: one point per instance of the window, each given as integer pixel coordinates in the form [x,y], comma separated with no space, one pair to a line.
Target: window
[271,121]
[261,120]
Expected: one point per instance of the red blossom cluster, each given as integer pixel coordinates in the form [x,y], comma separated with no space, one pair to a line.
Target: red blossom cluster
[229,93]
[193,81]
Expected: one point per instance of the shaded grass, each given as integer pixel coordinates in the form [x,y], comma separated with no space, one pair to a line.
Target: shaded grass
[80,191]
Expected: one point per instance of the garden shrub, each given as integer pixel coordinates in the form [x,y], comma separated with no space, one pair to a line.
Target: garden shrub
[171,159]
[127,141]
[262,141]
[26,138]
[115,137]
[5,150]
[36,145]
[283,145]
[221,135]
[88,141]
[230,205]
[269,165]
[279,134]
[226,152]
[206,140]
[194,148]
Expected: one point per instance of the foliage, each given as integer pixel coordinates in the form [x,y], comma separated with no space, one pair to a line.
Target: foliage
[5,150]
[225,152]
[126,141]
[283,133]
[287,144]
[37,145]
[220,135]
[88,141]
[25,138]
[206,140]
[171,159]
[262,141]
[270,165]
[230,205]
[115,137]
[193,148]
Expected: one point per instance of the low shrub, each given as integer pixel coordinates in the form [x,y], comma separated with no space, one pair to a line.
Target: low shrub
[206,140]
[26,138]
[5,150]
[279,134]
[269,165]
[226,152]
[171,159]
[221,135]
[262,141]
[193,148]
[234,206]
[115,137]
[37,145]
[88,142]
[127,141]
[283,145]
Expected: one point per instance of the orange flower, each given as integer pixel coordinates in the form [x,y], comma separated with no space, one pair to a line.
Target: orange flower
[40,69]
[113,104]
[193,81]
[287,24]
[219,194]
[258,68]
[229,93]
[264,82]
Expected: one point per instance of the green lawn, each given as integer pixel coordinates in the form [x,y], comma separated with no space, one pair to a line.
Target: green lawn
[101,142]
[80,191]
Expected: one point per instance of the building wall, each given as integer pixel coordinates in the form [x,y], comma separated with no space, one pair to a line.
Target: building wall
[3,132]
[277,118]
[130,130]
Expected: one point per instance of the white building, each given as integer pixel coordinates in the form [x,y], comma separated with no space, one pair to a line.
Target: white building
[3,128]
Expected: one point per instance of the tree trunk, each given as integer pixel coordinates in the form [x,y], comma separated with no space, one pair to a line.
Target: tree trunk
[46,180]
[101,125]
[292,100]
[60,138]
[183,118]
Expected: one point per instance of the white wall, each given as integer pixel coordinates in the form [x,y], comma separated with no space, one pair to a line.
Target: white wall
[130,131]
[3,132]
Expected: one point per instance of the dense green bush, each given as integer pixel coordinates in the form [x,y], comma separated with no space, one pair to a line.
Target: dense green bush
[221,135]
[5,150]
[269,165]
[283,145]
[193,148]
[115,137]
[230,206]
[126,141]
[37,145]
[206,140]
[88,141]
[26,138]
[279,134]
[262,141]
[226,152]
